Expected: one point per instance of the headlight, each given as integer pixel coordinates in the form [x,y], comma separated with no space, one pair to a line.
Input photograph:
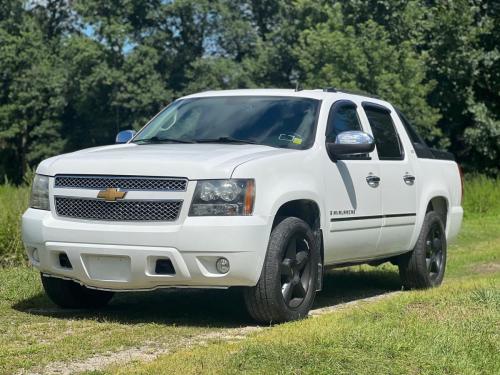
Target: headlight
[223,198]
[40,193]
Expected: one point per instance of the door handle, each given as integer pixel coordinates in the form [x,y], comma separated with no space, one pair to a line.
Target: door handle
[409,179]
[373,181]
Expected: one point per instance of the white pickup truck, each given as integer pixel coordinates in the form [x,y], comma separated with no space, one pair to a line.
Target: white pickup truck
[259,189]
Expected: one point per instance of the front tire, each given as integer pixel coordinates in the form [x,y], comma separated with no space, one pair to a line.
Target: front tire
[287,285]
[424,266]
[70,295]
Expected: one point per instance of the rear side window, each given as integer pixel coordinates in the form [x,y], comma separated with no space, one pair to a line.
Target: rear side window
[417,141]
[384,132]
[343,117]
[414,137]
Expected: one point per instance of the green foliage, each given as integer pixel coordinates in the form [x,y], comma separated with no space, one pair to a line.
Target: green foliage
[31,98]
[73,73]
[362,58]
[462,58]
[140,91]
[483,139]
[217,73]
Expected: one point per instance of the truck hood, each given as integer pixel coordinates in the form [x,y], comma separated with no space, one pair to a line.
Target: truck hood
[192,161]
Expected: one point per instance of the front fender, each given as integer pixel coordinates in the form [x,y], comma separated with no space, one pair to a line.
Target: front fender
[297,195]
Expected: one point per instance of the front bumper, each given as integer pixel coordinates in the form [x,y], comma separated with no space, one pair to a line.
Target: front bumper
[122,256]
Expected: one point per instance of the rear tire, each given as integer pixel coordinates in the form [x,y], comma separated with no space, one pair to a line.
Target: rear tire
[424,267]
[287,285]
[70,295]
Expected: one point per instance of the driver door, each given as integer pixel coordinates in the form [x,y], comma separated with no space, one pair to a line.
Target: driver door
[353,206]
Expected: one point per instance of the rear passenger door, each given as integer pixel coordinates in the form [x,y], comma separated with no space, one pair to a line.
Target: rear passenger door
[397,181]
[353,205]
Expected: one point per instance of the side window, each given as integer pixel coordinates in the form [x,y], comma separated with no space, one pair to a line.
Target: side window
[342,117]
[417,141]
[414,136]
[384,132]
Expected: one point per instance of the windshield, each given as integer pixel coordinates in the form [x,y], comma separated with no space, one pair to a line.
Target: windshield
[272,121]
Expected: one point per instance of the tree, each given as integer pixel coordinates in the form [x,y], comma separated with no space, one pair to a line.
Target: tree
[462,50]
[31,98]
[54,17]
[331,53]
[141,91]
[75,72]
[217,73]
[458,43]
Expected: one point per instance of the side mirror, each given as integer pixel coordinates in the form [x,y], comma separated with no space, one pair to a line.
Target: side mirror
[350,143]
[125,136]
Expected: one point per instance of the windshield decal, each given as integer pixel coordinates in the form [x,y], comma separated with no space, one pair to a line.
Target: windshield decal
[295,139]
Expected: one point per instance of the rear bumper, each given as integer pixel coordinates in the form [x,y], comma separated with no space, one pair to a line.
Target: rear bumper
[122,256]
[456,216]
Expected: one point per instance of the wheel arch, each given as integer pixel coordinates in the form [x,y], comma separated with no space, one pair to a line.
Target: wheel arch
[306,209]
[435,200]
[440,205]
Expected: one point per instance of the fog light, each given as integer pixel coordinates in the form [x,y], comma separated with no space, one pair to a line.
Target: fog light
[222,265]
[35,255]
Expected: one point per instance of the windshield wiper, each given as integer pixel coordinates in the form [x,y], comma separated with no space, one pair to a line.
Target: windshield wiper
[226,140]
[155,139]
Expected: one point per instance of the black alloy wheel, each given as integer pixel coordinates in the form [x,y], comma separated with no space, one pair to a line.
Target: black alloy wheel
[289,277]
[434,251]
[425,265]
[296,271]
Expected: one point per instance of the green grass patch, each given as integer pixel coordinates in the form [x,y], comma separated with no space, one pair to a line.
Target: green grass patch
[13,202]
[33,332]
[449,330]
[481,195]
[453,329]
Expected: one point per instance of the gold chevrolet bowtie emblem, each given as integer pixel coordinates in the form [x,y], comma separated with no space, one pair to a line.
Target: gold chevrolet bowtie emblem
[111,194]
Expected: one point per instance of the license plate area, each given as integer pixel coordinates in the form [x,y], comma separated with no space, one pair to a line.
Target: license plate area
[107,267]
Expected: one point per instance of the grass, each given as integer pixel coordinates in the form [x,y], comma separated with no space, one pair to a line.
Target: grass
[481,195]
[451,329]
[34,333]
[13,202]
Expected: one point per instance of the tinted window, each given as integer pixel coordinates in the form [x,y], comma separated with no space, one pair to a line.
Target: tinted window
[273,121]
[343,117]
[414,136]
[419,144]
[386,138]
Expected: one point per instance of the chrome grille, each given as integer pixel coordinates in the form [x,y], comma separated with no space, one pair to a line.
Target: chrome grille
[127,210]
[121,182]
